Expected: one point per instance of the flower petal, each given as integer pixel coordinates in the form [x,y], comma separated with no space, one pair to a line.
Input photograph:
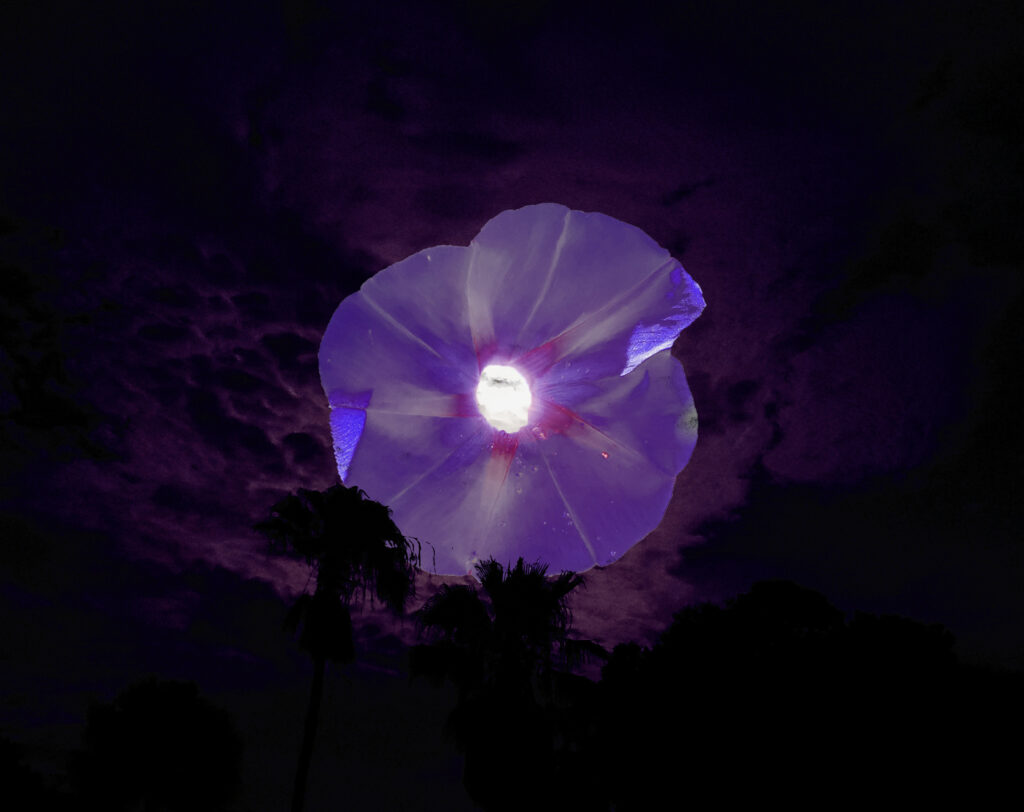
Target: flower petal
[430,472]
[617,465]
[584,494]
[389,349]
[549,284]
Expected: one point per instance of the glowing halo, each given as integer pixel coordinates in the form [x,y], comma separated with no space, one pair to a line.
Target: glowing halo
[518,397]
[503,396]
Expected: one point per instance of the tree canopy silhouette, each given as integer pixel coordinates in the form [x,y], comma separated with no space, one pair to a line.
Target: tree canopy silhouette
[354,547]
[775,696]
[159,746]
[508,648]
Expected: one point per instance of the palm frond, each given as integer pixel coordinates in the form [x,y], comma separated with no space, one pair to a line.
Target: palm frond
[456,612]
[352,543]
[577,651]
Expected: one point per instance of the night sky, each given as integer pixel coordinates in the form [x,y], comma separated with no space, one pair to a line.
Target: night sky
[188,190]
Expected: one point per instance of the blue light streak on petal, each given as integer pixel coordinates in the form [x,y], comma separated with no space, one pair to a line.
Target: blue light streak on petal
[649,339]
[346,427]
[348,419]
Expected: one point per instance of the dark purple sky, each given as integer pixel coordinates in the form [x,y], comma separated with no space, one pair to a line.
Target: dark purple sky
[187,194]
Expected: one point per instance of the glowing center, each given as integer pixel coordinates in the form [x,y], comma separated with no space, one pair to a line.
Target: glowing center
[503,396]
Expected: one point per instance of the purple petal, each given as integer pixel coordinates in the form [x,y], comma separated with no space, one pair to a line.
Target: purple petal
[593,290]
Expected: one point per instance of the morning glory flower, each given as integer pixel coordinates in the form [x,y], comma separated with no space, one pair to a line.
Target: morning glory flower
[517,397]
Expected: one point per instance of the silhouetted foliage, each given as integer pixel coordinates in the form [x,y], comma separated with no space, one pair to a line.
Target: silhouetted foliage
[354,547]
[159,746]
[508,649]
[351,541]
[774,697]
[22,784]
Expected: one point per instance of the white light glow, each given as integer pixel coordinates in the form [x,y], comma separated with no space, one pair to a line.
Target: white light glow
[503,396]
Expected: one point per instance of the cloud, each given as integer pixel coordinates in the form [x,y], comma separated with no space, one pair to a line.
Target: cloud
[216,214]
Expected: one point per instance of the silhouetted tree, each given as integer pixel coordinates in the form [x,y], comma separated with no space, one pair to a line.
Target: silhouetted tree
[775,698]
[158,746]
[509,652]
[353,546]
[23,785]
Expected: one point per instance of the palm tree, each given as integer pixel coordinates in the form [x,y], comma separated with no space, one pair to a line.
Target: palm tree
[353,546]
[509,653]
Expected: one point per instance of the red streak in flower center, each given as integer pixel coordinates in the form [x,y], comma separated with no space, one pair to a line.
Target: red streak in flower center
[503,451]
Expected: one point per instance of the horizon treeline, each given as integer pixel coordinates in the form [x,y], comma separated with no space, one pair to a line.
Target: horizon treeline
[773,695]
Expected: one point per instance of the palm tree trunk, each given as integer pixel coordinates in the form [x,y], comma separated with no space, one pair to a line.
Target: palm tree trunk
[316,693]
